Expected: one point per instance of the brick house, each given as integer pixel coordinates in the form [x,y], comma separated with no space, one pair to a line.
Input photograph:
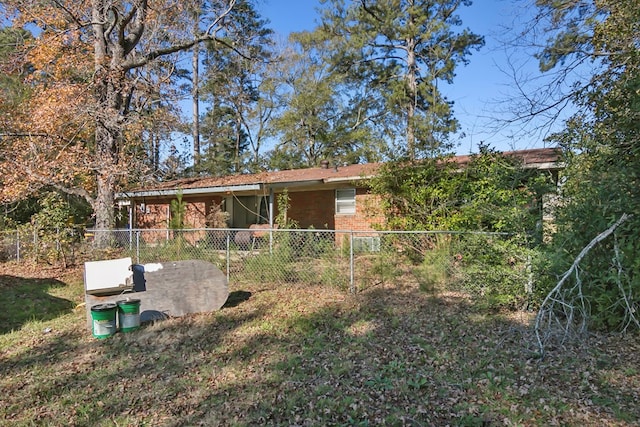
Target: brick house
[332,198]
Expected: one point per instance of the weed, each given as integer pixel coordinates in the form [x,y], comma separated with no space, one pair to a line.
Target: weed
[434,271]
[379,382]
[418,383]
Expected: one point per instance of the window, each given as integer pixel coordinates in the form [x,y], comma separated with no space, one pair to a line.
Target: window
[346,201]
[366,244]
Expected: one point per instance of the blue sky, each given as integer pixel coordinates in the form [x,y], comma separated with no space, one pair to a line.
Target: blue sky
[477,88]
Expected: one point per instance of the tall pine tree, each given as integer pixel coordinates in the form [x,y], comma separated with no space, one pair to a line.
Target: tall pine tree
[402,50]
[231,87]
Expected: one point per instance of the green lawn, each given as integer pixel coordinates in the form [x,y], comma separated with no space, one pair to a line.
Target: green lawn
[303,355]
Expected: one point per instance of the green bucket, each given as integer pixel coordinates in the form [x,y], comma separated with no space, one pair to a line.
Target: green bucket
[103,320]
[129,314]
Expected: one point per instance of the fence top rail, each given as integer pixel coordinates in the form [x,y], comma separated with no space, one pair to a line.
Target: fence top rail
[308,230]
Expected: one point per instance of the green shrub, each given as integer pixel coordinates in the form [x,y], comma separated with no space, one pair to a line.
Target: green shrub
[434,273]
[495,270]
[608,276]
[276,267]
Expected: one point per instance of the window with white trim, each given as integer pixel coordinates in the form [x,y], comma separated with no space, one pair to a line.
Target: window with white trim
[346,201]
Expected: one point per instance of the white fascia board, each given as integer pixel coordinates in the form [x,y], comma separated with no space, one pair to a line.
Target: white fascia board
[189,191]
[349,178]
[547,166]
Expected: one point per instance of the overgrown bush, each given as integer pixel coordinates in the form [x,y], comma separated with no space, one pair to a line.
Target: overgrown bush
[607,278]
[493,193]
[602,154]
[602,182]
[494,270]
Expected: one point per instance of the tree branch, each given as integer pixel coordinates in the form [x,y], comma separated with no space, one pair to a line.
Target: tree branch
[33,135]
[553,297]
[132,39]
[214,24]
[369,11]
[73,17]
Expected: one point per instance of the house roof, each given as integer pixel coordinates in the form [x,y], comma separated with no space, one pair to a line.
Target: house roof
[536,158]
[541,158]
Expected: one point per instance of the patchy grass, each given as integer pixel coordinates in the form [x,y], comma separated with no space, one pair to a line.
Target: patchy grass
[305,355]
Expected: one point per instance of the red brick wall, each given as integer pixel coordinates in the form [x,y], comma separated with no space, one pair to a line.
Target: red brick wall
[367,214]
[308,208]
[151,215]
[317,209]
[194,214]
[313,208]
[156,213]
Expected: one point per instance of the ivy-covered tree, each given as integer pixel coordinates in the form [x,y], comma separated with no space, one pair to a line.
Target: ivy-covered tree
[490,209]
[493,192]
[602,146]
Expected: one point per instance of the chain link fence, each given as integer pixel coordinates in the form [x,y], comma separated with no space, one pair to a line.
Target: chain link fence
[32,243]
[492,268]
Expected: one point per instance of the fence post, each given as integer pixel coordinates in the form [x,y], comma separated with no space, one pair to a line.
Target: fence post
[271,240]
[35,241]
[228,256]
[138,246]
[352,286]
[18,245]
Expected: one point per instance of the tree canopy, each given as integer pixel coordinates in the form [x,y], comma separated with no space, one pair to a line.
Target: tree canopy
[401,51]
[89,60]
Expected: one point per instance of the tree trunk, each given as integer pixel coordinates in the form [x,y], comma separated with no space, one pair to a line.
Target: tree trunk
[237,148]
[108,138]
[195,93]
[108,93]
[412,89]
[104,210]
[116,33]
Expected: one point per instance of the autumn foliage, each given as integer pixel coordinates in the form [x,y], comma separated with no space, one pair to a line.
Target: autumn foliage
[97,75]
[47,139]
